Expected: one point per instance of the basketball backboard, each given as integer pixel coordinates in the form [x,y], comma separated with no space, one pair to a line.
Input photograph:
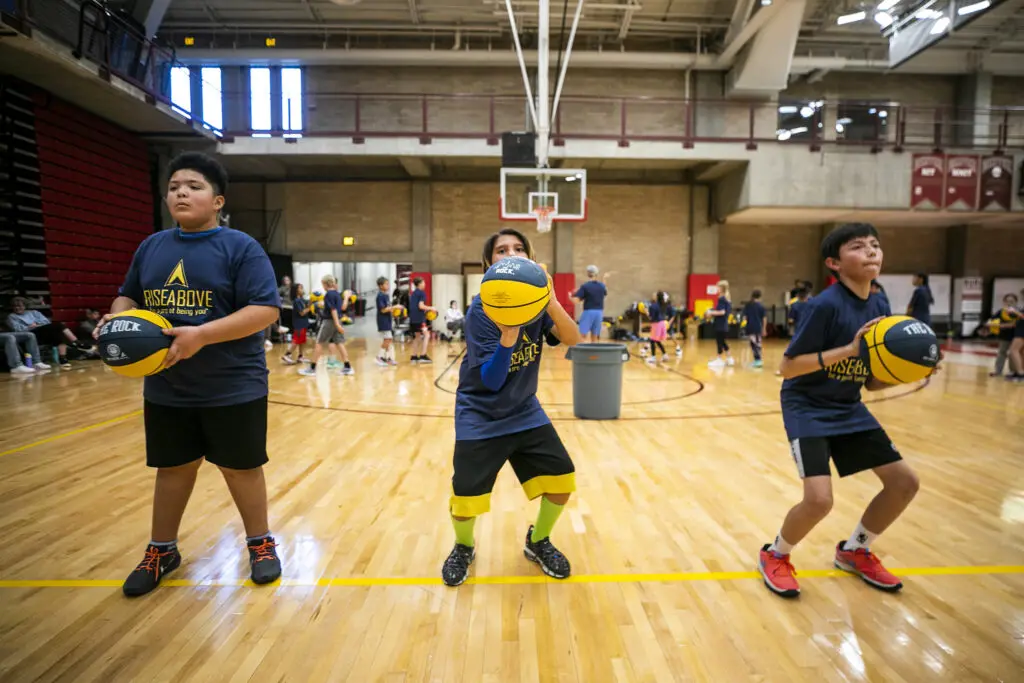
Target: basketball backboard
[560,192]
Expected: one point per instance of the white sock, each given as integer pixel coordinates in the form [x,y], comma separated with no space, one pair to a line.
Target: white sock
[861,538]
[781,546]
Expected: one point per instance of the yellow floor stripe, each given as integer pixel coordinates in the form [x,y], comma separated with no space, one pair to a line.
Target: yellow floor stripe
[73,432]
[373,581]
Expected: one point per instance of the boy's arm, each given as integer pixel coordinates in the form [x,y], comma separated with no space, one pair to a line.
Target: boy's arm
[337,321]
[565,329]
[806,363]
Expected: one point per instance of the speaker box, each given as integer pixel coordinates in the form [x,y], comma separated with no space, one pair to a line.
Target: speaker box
[519,150]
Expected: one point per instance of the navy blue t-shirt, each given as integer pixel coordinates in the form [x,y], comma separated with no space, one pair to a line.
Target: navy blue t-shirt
[655,313]
[300,316]
[416,316]
[483,414]
[828,402]
[332,302]
[920,305]
[194,278]
[592,294]
[383,319]
[721,322]
[796,310]
[754,313]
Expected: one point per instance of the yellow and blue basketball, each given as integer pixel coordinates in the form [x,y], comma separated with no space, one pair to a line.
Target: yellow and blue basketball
[133,343]
[900,350]
[431,316]
[398,311]
[514,291]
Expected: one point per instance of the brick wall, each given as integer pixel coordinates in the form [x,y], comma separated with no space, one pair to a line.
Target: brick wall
[466,214]
[995,251]
[377,214]
[909,249]
[1007,91]
[911,89]
[768,257]
[639,233]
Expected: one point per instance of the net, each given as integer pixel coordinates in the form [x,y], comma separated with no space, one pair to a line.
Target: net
[545,217]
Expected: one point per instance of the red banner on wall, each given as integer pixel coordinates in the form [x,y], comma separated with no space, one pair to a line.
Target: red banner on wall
[996,183]
[927,182]
[962,180]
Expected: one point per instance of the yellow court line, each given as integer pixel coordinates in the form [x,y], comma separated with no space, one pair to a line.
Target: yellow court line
[73,432]
[374,581]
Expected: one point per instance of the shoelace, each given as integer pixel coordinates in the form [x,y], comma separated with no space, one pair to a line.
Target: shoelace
[152,560]
[547,550]
[784,563]
[264,551]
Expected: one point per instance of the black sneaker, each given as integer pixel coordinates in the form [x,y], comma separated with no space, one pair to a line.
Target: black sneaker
[550,559]
[425,359]
[456,567]
[414,359]
[157,562]
[266,565]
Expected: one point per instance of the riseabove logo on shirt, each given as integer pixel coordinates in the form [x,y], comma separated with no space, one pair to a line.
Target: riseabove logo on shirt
[525,354]
[176,297]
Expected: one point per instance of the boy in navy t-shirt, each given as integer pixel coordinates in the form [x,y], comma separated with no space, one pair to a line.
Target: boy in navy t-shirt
[755,325]
[826,420]
[386,356]
[418,322]
[720,326]
[299,310]
[498,418]
[217,287]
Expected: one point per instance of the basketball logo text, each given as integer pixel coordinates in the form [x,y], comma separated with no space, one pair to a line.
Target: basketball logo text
[525,354]
[849,370]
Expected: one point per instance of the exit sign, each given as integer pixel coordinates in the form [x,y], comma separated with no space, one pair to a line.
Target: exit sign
[271,42]
[348,241]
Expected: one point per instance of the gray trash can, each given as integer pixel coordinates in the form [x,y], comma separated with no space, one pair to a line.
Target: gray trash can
[597,380]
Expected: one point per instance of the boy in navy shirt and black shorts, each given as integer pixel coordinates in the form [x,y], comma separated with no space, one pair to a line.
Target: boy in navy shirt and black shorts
[498,418]
[386,356]
[217,287]
[826,420]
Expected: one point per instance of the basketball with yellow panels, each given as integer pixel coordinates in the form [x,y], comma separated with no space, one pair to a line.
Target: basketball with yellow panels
[133,343]
[515,291]
[900,350]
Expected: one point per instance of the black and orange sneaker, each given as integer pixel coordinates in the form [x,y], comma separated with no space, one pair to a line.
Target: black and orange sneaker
[551,560]
[263,559]
[147,576]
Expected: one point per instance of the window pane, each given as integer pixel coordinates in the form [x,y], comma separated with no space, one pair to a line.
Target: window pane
[291,98]
[181,89]
[213,112]
[259,98]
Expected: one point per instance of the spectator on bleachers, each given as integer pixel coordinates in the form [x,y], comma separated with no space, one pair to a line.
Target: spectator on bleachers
[11,340]
[45,331]
[87,326]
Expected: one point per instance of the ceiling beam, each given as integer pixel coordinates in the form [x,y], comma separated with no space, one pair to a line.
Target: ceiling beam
[740,15]
[314,15]
[749,30]
[414,12]
[415,166]
[627,18]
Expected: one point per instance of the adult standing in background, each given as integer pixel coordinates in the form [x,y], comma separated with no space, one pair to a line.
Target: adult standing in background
[285,292]
[921,300]
[592,295]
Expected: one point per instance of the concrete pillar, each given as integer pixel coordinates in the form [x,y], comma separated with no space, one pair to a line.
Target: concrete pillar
[703,232]
[422,225]
[563,234]
[235,90]
[973,94]
[274,204]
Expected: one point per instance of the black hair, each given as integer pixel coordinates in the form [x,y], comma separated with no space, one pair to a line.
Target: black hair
[203,164]
[493,239]
[417,281]
[802,292]
[808,285]
[835,240]
[756,294]
[924,283]
[454,303]
[662,298]
[295,290]
[381,280]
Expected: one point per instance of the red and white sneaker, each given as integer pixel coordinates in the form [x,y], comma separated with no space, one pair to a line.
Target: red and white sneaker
[867,566]
[778,573]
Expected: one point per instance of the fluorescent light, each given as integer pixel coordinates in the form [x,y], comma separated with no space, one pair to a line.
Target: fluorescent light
[976,7]
[940,26]
[845,121]
[782,134]
[928,14]
[797,131]
[882,114]
[787,109]
[765,3]
[883,19]
[806,112]
[851,18]
[886,5]
[872,110]
[840,128]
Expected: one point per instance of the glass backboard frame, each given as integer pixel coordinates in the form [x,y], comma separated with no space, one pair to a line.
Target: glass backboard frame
[510,210]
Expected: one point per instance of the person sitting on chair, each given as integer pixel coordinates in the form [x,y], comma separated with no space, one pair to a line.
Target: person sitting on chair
[454,319]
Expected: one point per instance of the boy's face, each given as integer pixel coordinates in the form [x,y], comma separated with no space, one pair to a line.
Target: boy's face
[385,287]
[1009,300]
[191,199]
[507,245]
[859,259]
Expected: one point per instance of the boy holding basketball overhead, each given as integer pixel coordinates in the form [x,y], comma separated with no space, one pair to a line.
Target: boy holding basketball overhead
[826,420]
[498,418]
[217,287]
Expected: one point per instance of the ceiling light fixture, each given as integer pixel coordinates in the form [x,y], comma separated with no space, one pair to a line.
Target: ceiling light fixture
[940,26]
[976,7]
[883,19]
[887,5]
[851,18]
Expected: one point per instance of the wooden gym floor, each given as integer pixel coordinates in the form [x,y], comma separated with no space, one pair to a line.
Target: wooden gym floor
[675,499]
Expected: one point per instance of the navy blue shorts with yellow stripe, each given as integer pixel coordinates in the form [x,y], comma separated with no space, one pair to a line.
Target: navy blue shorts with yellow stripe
[537,456]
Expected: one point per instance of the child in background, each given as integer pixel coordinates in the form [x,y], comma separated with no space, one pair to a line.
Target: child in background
[920,305]
[386,356]
[299,309]
[1007,319]
[720,325]
[331,332]
[658,312]
[756,325]
[796,310]
[418,322]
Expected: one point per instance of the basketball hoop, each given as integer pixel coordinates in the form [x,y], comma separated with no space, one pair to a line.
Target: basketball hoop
[545,217]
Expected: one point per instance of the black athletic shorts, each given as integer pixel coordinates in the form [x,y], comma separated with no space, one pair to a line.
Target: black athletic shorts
[537,456]
[234,437]
[851,453]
